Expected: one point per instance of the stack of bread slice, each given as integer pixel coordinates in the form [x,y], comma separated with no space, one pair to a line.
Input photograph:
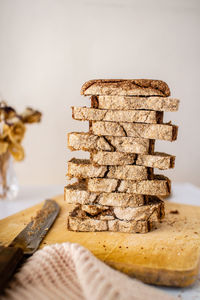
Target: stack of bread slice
[116,189]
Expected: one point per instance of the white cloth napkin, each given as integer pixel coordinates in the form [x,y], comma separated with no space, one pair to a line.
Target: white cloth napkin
[69,271]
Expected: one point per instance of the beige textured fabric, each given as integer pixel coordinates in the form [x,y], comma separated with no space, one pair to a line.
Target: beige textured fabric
[70,272]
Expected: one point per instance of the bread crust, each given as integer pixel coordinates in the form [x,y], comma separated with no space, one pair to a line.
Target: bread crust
[130,87]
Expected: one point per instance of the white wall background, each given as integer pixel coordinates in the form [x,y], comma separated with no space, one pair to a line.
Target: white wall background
[49,48]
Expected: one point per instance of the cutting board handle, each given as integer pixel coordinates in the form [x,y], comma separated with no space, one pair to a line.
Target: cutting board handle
[10,257]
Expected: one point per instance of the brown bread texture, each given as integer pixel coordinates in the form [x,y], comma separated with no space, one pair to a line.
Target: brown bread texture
[162,161]
[155,209]
[105,158]
[92,225]
[78,220]
[159,160]
[140,116]
[135,103]
[159,186]
[140,213]
[83,168]
[165,132]
[78,193]
[126,87]
[90,142]
[88,224]
[116,189]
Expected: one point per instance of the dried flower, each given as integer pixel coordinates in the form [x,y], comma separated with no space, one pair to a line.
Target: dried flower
[12,128]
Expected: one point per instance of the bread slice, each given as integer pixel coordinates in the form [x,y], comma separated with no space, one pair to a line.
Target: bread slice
[77,193]
[91,225]
[78,220]
[129,103]
[165,132]
[82,168]
[160,186]
[126,87]
[89,142]
[141,213]
[105,158]
[158,160]
[155,209]
[92,114]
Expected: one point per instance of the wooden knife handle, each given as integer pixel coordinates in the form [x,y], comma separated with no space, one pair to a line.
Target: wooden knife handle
[10,258]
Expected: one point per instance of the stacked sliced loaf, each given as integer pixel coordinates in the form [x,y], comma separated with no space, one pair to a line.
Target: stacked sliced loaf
[116,189]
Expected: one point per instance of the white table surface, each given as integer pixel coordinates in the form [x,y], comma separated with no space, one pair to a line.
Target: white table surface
[31,195]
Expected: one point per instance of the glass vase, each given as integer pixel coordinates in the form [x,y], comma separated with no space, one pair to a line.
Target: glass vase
[8,181]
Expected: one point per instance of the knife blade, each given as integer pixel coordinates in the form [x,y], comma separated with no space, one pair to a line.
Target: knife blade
[27,241]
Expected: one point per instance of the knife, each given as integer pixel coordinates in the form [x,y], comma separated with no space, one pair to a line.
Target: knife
[27,241]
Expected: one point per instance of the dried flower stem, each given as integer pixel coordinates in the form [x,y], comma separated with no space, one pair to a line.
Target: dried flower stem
[4,160]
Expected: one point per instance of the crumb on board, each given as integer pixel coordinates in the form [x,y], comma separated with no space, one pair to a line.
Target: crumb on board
[175,212]
[40,217]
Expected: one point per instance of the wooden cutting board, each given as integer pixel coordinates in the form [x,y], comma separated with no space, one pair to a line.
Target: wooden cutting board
[167,256]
